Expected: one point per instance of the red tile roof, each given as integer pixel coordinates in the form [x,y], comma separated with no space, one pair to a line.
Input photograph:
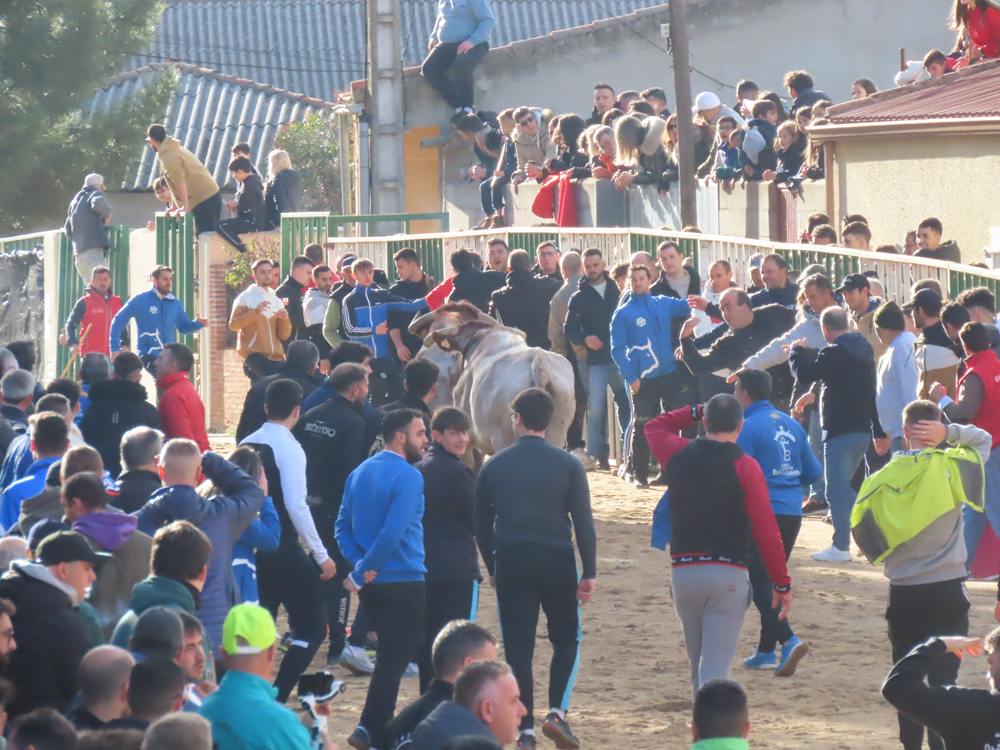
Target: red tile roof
[968,94]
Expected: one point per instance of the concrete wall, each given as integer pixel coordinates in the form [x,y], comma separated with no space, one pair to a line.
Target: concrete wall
[135,209]
[837,40]
[896,181]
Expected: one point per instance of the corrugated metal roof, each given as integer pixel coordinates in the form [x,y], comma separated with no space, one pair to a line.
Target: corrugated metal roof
[970,93]
[318,46]
[209,113]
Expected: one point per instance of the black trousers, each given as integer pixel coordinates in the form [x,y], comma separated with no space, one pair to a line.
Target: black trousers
[914,614]
[446,601]
[772,630]
[336,598]
[206,214]
[289,577]
[528,577]
[397,613]
[456,89]
[231,229]
[257,366]
[654,396]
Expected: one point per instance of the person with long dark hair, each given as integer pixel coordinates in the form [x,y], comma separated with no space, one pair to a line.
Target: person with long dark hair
[978,23]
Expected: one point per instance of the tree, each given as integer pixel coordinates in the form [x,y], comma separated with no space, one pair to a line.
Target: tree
[312,147]
[53,54]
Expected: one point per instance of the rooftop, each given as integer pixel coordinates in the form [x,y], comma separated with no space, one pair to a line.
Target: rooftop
[209,113]
[967,98]
[318,46]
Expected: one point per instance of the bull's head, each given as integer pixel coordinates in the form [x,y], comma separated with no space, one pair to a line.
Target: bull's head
[443,326]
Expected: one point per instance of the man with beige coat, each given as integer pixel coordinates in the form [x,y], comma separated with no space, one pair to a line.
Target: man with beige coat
[261,323]
[192,186]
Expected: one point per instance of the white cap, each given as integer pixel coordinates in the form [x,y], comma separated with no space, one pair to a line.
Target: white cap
[705,100]
[93,180]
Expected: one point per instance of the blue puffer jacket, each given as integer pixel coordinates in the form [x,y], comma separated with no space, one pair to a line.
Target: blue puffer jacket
[157,319]
[262,534]
[640,335]
[223,518]
[365,308]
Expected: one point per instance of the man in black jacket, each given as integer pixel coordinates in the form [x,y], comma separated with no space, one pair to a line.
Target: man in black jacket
[961,717]
[528,498]
[778,289]
[588,324]
[51,635]
[547,262]
[413,284]
[471,283]
[140,449]
[292,289]
[333,438]
[459,644]
[524,302]
[251,212]
[846,368]
[420,379]
[747,330]
[449,535]
[299,365]
[116,406]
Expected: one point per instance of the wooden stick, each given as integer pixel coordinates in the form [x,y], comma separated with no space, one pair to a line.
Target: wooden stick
[74,355]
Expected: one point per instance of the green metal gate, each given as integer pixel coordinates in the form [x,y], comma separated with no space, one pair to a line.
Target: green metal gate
[175,247]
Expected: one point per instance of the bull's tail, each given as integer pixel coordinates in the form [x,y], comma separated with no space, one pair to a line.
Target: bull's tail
[540,375]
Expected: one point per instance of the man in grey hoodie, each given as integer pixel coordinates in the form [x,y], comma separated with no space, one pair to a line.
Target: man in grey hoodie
[86,225]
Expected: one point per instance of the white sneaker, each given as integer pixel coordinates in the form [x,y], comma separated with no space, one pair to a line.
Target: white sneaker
[356,660]
[412,670]
[832,554]
[589,464]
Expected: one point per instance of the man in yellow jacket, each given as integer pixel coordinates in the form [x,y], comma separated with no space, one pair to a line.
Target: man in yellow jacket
[261,323]
[192,186]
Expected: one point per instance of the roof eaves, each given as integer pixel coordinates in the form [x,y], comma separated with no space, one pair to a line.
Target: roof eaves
[833,131]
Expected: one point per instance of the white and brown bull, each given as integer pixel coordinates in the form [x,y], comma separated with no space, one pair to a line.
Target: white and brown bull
[484,365]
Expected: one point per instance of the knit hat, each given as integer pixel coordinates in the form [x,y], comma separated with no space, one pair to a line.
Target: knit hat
[890,317]
[248,629]
[705,100]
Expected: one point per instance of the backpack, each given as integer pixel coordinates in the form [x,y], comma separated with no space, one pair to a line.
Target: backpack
[897,503]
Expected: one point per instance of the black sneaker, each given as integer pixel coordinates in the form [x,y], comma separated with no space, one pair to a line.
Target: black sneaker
[557,730]
[526,741]
[640,483]
[359,739]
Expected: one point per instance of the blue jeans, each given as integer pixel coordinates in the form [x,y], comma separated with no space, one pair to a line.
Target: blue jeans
[841,457]
[599,377]
[817,488]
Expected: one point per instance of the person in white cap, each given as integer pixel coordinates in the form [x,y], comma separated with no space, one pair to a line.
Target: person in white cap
[87,226]
[710,107]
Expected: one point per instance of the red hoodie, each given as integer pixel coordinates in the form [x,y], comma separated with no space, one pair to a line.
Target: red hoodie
[182,413]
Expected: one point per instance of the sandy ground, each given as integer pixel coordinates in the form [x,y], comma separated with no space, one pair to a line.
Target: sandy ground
[633,689]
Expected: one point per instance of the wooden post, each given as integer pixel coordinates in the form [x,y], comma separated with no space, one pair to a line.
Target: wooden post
[685,126]
[902,59]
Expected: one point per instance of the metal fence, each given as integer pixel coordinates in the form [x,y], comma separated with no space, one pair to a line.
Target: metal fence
[896,272]
[301,229]
[176,247]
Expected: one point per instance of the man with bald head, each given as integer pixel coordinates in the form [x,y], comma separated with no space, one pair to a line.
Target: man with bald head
[104,673]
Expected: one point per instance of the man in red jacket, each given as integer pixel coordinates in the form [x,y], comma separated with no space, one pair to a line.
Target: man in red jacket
[719,507]
[91,316]
[182,413]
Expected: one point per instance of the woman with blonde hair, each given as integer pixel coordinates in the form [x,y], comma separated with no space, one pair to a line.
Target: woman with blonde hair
[641,155]
[283,188]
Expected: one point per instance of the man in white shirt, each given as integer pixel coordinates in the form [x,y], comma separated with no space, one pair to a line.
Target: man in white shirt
[314,305]
[288,575]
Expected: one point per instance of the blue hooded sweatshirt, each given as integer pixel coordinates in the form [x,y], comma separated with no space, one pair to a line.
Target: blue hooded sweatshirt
[640,335]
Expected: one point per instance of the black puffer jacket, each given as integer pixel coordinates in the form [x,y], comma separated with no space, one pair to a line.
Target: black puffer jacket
[524,304]
[51,640]
[116,406]
[589,314]
[253,415]
[476,287]
[282,194]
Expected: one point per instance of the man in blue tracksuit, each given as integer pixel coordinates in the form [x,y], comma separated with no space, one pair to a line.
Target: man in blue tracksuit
[380,533]
[365,314]
[781,447]
[158,314]
[640,346]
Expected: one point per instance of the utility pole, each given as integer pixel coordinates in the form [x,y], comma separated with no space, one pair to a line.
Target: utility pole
[682,95]
[385,106]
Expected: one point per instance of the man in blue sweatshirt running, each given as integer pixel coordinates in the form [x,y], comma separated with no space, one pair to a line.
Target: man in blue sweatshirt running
[380,533]
[781,447]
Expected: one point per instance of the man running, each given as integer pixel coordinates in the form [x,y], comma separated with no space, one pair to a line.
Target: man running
[716,505]
[528,497]
[780,445]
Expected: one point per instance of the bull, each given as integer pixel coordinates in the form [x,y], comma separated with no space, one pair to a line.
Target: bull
[484,365]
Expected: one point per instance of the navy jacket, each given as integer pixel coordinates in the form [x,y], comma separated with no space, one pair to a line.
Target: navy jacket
[449,524]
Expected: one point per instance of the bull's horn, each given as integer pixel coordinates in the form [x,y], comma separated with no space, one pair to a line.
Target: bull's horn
[484,318]
[418,324]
